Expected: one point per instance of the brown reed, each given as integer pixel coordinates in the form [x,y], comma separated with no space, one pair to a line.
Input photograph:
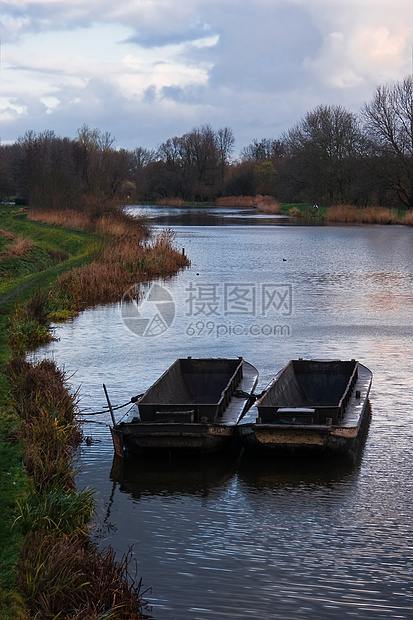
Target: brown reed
[122,262]
[113,222]
[268,204]
[408,218]
[342,213]
[364,215]
[170,202]
[67,218]
[236,201]
[376,215]
[18,248]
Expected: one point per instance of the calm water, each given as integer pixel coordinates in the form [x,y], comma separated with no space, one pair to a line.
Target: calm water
[266,539]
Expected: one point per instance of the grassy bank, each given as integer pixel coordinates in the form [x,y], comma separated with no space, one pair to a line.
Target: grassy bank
[52,265]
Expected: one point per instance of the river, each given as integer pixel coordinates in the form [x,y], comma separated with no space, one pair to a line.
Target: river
[233,540]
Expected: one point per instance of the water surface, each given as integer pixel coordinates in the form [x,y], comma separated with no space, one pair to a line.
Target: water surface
[227,540]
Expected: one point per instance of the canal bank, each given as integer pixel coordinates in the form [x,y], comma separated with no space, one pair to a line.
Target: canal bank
[44,517]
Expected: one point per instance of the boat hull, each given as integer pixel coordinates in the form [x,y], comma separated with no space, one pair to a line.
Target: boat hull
[343,436]
[185,439]
[184,428]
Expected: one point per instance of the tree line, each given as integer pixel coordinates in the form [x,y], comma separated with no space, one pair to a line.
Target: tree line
[331,156]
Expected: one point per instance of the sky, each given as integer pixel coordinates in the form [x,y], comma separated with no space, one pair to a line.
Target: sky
[149,70]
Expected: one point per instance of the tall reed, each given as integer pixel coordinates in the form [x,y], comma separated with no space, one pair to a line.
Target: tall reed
[342,213]
[408,218]
[170,202]
[68,218]
[122,262]
[49,429]
[236,201]
[61,578]
[18,246]
[268,204]
[365,215]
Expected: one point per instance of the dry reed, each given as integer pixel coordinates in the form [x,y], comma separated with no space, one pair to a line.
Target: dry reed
[110,222]
[268,204]
[408,219]
[66,218]
[364,215]
[122,262]
[171,202]
[18,248]
[376,215]
[236,201]
[342,213]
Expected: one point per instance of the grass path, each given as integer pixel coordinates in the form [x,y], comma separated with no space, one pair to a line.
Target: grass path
[52,252]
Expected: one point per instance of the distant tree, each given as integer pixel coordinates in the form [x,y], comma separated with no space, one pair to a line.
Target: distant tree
[323,150]
[46,170]
[266,149]
[240,180]
[138,163]
[224,141]
[265,178]
[196,163]
[388,123]
[103,169]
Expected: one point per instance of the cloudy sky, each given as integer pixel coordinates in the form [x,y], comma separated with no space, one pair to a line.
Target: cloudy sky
[148,70]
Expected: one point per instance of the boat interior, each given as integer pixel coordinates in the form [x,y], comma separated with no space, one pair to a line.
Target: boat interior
[192,390]
[309,392]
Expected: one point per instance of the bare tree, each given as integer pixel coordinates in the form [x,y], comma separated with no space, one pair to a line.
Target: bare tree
[388,122]
[323,149]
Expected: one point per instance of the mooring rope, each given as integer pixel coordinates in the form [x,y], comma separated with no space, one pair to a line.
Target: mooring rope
[132,401]
[241,394]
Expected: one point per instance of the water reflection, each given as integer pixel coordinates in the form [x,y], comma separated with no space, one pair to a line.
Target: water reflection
[207,216]
[164,477]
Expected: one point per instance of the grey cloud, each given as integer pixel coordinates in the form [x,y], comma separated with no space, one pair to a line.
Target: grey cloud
[164,35]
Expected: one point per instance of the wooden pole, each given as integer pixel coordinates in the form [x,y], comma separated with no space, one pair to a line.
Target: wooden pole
[110,406]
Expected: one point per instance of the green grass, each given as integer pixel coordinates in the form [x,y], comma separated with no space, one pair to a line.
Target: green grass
[53,251]
[15,486]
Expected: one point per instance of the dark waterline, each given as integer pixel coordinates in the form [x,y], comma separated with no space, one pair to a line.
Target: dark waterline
[251,539]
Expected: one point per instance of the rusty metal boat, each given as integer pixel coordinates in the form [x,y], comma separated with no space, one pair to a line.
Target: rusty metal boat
[193,408]
[310,406]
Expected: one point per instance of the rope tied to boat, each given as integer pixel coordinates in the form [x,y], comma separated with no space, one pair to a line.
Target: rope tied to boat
[242,394]
[132,401]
